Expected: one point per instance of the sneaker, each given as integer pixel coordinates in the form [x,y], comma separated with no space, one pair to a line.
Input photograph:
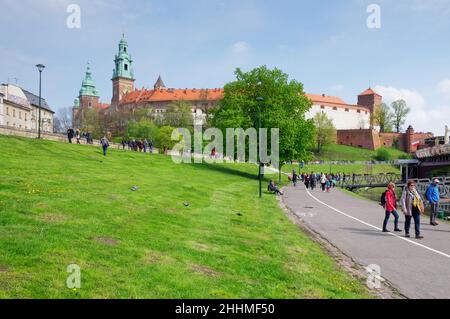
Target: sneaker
[408,236]
[419,237]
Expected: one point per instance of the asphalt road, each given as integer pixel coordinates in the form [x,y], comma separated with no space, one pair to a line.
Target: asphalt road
[417,268]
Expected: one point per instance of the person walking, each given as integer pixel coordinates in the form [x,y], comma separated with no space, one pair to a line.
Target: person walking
[412,207]
[312,181]
[145,143]
[105,144]
[432,196]
[78,136]
[390,207]
[70,134]
[294,178]
[150,146]
[323,182]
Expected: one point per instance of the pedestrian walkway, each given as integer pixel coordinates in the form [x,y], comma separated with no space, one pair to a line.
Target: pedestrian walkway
[417,268]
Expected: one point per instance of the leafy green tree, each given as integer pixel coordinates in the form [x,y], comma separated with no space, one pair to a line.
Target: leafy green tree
[164,139]
[325,131]
[383,117]
[177,114]
[283,106]
[144,129]
[400,112]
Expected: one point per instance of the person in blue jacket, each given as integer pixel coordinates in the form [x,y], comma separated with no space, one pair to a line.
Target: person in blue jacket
[432,196]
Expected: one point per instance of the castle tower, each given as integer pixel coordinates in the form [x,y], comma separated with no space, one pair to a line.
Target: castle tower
[409,140]
[123,75]
[371,100]
[88,97]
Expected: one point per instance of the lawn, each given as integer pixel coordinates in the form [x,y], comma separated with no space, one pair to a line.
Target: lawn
[348,153]
[67,204]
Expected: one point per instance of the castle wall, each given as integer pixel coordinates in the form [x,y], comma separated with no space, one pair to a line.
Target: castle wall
[343,118]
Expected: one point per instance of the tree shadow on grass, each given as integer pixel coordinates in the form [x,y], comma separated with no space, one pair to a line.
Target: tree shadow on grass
[224,169]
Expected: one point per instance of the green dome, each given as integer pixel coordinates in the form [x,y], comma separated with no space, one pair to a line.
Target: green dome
[88,85]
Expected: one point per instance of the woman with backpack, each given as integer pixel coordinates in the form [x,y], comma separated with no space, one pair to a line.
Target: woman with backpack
[389,202]
[413,207]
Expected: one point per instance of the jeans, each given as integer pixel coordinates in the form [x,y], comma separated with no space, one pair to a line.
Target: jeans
[416,217]
[433,213]
[104,150]
[386,219]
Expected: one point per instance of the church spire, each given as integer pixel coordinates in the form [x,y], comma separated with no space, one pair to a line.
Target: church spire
[159,84]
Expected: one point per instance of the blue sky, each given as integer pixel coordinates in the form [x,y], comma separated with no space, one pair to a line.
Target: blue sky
[324,44]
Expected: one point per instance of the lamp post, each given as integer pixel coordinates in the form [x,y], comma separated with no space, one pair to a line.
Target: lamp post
[41,68]
[261,165]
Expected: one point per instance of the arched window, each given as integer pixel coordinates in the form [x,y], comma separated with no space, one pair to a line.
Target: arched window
[126,67]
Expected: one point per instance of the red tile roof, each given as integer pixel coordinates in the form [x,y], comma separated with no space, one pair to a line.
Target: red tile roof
[325,99]
[166,95]
[103,106]
[369,91]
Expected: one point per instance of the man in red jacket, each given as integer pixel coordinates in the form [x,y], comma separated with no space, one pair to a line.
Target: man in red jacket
[391,208]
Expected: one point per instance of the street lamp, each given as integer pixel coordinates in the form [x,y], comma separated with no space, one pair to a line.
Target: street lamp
[261,165]
[41,68]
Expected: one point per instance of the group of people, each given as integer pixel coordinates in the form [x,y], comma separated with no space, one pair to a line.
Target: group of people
[71,134]
[412,206]
[138,145]
[311,181]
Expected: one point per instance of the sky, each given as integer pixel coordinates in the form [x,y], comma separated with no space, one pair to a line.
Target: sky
[326,45]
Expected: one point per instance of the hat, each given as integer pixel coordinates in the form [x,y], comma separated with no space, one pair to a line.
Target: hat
[436,181]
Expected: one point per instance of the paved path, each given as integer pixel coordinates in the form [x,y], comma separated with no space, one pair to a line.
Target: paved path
[418,268]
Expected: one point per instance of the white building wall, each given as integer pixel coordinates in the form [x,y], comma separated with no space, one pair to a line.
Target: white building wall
[46,119]
[342,119]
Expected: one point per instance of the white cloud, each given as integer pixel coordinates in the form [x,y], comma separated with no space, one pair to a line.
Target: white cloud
[240,47]
[391,94]
[423,117]
[443,87]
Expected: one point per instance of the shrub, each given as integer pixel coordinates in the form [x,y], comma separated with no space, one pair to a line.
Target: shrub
[383,155]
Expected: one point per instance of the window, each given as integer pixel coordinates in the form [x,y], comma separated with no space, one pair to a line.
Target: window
[335,108]
[347,110]
[7,111]
[359,111]
[322,106]
[126,67]
[26,117]
[14,113]
[20,115]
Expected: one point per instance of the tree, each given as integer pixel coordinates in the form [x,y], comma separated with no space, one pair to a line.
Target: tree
[383,118]
[63,120]
[284,106]
[94,123]
[400,112]
[177,114]
[144,129]
[164,139]
[325,131]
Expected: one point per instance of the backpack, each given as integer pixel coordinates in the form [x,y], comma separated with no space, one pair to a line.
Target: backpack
[383,199]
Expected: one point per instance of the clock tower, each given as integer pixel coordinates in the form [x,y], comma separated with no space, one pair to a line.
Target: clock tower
[123,75]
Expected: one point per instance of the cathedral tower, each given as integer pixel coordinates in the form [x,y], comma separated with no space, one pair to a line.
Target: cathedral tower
[123,75]
[88,97]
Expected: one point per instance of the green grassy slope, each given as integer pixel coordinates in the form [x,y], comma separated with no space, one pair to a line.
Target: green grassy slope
[349,153]
[67,204]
